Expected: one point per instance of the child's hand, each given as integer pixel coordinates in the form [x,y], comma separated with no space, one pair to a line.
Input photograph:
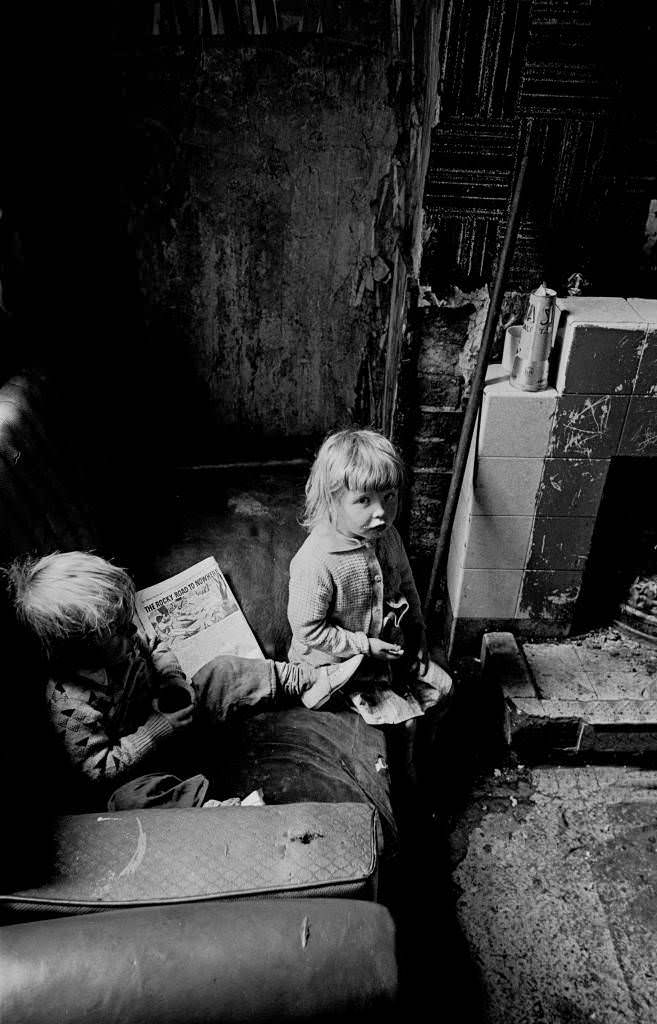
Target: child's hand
[177,719]
[384,651]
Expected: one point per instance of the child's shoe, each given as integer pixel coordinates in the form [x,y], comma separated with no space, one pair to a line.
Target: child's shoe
[434,687]
[330,679]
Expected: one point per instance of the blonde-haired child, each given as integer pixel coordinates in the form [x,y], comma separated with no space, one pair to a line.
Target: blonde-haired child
[352,592]
[106,690]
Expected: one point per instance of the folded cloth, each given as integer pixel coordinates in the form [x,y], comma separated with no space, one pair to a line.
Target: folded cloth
[159,790]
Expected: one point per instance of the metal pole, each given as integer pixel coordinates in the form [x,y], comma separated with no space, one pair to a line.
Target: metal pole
[478,379]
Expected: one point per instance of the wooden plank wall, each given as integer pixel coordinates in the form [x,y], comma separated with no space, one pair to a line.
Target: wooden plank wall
[577,72]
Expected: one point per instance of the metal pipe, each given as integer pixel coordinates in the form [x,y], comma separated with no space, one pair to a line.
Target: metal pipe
[478,379]
[266,464]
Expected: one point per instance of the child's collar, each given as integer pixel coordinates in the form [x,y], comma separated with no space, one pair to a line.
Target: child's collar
[335,542]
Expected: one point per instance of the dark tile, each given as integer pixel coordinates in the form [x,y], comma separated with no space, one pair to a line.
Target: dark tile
[587,426]
[541,629]
[571,487]
[549,596]
[639,435]
[599,360]
[646,380]
[560,542]
[467,634]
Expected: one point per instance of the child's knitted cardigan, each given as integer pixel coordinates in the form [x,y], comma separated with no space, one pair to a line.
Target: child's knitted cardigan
[338,586]
[105,717]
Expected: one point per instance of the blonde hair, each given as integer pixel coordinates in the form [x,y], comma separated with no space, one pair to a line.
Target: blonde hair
[70,596]
[355,459]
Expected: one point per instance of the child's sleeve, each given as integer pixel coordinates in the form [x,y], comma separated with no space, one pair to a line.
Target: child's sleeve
[168,669]
[409,590]
[309,602]
[80,721]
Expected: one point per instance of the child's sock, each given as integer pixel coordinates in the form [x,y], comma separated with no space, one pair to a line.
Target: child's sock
[293,680]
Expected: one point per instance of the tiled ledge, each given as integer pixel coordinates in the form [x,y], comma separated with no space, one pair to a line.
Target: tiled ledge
[596,696]
[538,466]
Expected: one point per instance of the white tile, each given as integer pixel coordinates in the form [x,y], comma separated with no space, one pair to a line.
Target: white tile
[516,423]
[617,673]
[489,593]
[558,672]
[506,486]
[454,576]
[459,537]
[598,309]
[465,494]
[495,372]
[646,309]
[498,542]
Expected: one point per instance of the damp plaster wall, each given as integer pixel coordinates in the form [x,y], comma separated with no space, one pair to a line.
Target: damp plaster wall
[265,200]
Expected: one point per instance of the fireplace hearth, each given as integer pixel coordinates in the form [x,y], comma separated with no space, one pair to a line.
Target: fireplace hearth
[529,540]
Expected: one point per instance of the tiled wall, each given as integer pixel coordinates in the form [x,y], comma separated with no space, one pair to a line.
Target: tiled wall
[537,469]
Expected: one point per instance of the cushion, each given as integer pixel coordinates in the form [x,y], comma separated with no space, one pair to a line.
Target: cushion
[159,856]
[299,755]
[255,960]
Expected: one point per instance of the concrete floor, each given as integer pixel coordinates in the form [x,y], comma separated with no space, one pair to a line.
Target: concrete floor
[534,900]
[555,880]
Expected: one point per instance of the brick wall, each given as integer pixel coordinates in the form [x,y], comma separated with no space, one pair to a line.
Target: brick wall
[441,350]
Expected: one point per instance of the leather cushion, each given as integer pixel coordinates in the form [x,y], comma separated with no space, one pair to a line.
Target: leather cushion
[302,755]
[258,960]
[156,856]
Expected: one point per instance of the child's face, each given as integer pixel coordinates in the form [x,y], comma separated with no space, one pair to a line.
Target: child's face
[113,650]
[119,646]
[365,514]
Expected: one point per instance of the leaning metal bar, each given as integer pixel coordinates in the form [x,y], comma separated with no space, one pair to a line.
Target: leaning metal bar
[478,379]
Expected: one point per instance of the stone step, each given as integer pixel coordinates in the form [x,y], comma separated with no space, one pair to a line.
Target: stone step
[592,697]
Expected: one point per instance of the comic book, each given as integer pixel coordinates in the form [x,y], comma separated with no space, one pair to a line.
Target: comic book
[195,615]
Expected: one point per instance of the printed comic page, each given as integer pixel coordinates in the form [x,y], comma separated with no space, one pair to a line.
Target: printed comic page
[195,615]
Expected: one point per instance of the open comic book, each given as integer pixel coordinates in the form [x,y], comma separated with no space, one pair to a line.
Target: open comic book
[195,615]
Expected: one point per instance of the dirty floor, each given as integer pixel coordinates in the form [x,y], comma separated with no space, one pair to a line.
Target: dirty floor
[555,883]
[535,897]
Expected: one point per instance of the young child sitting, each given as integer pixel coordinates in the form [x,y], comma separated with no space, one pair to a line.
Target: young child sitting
[352,592]
[107,690]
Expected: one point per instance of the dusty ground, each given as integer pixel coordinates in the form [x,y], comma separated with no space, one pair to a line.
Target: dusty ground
[555,876]
[549,870]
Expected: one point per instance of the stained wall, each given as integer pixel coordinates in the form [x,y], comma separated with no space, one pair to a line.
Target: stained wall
[249,199]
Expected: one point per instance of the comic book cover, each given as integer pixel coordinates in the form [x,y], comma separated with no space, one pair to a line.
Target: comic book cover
[195,614]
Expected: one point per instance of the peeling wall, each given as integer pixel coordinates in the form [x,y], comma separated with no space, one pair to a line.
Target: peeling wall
[442,347]
[249,200]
